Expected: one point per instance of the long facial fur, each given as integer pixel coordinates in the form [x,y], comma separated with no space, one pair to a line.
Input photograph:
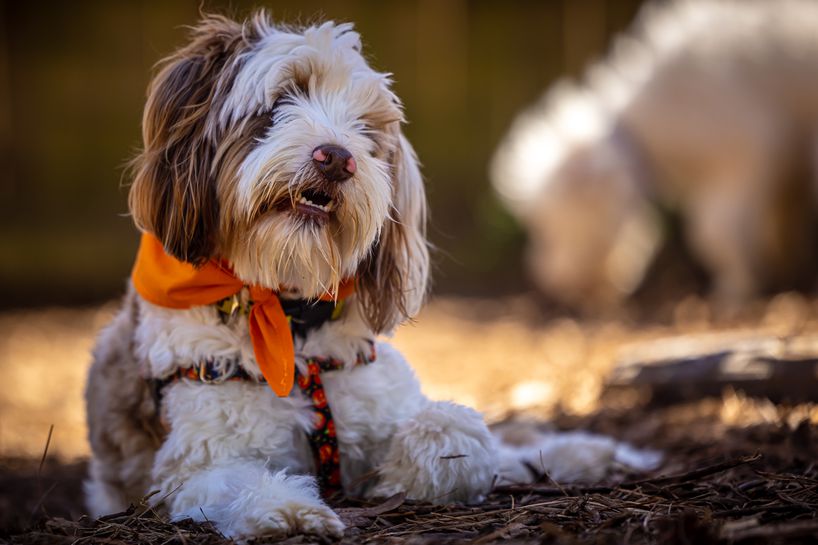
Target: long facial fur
[229,128]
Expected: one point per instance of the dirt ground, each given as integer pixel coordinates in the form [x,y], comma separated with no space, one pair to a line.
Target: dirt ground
[737,469]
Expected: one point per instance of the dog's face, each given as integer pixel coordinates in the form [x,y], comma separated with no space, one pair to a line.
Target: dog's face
[591,233]
[282,153]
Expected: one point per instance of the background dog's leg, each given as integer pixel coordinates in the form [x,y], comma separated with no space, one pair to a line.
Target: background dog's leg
[245,499]
[717,236]
[741,213]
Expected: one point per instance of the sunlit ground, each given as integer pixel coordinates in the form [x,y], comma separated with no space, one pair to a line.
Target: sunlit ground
[498,356]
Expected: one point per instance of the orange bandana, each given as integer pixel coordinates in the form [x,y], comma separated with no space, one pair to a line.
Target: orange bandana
[167,282]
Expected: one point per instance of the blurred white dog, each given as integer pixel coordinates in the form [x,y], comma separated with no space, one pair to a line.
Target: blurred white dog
[706,109]
[284,219]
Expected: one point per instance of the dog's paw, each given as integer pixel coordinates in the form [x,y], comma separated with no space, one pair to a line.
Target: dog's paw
[245,500]
[292,518]
[281,518]
[444,454]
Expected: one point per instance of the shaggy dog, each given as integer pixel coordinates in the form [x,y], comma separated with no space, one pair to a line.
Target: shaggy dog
[706,111]
[276,187]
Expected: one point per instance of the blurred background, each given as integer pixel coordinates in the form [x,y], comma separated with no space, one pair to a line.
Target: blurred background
[72,87]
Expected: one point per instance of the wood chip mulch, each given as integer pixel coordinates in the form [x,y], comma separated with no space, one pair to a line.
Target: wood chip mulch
[737,484]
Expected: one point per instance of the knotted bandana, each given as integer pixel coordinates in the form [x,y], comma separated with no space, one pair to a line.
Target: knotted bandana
[165,281]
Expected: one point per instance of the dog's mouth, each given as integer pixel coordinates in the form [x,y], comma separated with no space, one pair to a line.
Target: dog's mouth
[311,204]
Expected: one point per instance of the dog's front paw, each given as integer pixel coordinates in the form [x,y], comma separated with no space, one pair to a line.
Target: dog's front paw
[290,518]
[444,454]
[246,501]
[278,518]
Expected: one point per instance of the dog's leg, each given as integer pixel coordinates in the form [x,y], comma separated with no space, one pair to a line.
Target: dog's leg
[123,427]
[527,454]
[444,454]
[245,499]
[434,451]
[717,235]
[735,224]
[224,460]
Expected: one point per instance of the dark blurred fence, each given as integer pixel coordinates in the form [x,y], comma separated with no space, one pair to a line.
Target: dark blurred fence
[72,81]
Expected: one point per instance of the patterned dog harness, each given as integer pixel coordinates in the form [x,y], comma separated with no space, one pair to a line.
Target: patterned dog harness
[323,441]
[303,316]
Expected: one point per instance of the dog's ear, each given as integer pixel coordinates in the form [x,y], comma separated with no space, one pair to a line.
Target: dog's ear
[173,194]
[392,281]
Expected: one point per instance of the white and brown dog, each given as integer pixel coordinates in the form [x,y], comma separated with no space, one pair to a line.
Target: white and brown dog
[275,176]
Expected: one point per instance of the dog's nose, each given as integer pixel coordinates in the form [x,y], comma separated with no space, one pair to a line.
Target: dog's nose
[334,162]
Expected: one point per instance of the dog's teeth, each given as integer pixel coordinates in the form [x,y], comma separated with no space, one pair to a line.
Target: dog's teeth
[305,201]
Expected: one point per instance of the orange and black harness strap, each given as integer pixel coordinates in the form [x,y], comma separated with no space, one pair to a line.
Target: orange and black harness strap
[323,441]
